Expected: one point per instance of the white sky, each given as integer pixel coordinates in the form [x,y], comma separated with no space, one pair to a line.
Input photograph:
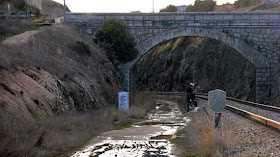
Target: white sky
[125,5]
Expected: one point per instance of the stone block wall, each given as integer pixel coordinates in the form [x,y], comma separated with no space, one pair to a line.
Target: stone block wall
[260,30]
[265,40]
[273,3]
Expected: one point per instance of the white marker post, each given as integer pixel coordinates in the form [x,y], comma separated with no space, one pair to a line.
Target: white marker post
[217,102]
[123,101]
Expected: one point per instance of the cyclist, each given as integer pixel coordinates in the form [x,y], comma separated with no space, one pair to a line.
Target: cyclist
[191,94]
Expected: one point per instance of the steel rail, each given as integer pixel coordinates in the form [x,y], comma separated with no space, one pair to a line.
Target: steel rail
[260,119]
[253,104]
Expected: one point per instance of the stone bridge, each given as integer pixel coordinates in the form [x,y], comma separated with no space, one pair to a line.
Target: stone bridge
[255,35]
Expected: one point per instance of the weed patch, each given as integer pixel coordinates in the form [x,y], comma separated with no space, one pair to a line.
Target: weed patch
[81,48]
[67,132]
[11,27]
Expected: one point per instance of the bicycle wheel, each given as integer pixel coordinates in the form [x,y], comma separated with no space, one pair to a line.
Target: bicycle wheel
[187,106]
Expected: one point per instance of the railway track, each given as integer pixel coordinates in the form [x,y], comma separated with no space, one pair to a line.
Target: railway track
[263,114]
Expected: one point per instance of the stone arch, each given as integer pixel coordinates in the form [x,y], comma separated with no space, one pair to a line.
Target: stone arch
[260,62]
[251,54]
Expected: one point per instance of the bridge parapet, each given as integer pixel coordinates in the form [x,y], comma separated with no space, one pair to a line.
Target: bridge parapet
[177,20]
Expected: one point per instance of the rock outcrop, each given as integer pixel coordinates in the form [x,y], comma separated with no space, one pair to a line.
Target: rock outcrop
[56,69]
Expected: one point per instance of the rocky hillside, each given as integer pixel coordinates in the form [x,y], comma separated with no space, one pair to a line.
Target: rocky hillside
[210,64]
[54,69]
[53,9]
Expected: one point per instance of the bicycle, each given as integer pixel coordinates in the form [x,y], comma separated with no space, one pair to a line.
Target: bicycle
[190,104]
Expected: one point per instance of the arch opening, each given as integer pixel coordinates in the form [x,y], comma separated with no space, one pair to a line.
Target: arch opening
[210,64]
[260,62]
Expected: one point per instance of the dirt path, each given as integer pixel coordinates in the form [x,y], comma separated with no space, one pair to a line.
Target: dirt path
[148,138]
[21,38]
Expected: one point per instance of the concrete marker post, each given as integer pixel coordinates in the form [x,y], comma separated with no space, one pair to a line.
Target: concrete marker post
[123,100]
[217,102]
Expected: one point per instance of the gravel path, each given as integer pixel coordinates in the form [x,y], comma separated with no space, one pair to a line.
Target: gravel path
[265,113]
[241,137]
[148,138]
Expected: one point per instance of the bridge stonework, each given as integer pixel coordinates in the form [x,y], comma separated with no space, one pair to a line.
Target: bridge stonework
[256,35]
[272,3]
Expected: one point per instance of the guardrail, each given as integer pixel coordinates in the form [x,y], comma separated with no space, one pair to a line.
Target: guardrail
[14,17]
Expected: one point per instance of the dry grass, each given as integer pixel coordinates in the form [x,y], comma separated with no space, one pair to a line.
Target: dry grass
[58,135]
[240,137]
[197,138]
[10,27]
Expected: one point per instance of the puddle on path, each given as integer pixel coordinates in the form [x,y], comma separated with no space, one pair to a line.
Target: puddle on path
[145,139]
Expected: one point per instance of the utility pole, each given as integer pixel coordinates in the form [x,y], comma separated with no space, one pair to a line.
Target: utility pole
[25,7]
[153,6]
[9,8]
[64,20]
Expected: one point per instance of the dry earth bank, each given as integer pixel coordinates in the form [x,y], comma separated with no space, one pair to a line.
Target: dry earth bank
[53,83]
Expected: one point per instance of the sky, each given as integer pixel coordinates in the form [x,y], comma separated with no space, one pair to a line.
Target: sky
[125,5]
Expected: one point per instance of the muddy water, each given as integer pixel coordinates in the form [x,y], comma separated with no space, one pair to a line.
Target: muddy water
[148,138]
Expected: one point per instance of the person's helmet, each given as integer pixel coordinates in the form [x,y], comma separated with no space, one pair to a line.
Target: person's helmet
[191,85]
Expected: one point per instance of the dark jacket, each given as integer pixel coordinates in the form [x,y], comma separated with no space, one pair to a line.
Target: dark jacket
[190,94]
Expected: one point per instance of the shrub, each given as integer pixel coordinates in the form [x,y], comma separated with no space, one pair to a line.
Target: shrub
[19,4]
[34,11]
[202,6]
[170,8]
[85,47]
[114,36]
[80,47]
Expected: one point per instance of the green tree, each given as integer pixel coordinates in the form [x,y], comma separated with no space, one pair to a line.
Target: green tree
[169,8]
[114,36]
[202,6]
